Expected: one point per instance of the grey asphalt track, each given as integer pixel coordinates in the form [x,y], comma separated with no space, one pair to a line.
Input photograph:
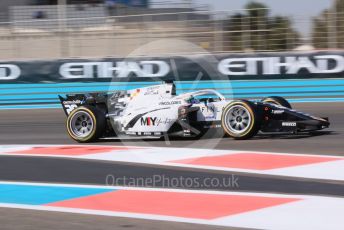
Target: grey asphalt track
[60,170]
[16,219]
[47,127]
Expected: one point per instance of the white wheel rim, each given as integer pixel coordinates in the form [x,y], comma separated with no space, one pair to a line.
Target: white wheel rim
[238,119]
[81,124]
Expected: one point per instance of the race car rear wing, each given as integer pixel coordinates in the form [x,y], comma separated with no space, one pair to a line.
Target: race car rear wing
[73,101]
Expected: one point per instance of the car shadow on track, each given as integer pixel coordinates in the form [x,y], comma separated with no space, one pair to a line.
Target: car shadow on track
[260,136]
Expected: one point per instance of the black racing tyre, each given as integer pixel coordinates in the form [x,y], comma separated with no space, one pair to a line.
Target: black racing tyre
[86,124]
[240,119]
[277,101]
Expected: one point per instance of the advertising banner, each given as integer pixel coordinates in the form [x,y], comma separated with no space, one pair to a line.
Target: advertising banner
[262,66]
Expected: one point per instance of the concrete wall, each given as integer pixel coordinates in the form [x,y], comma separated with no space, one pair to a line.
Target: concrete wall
[6,4]
[17,45]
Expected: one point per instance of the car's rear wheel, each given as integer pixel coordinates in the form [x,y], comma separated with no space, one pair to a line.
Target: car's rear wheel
[277,101]
[86,124]
[240,119]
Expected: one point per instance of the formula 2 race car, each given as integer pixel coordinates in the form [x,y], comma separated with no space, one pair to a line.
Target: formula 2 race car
[157,111]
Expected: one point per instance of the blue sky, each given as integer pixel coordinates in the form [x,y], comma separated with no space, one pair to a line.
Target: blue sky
[293,8]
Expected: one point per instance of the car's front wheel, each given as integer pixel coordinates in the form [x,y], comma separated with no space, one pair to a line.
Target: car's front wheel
[85,124]
[240,119]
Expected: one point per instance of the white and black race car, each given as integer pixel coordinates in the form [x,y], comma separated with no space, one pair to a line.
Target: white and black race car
[157,111]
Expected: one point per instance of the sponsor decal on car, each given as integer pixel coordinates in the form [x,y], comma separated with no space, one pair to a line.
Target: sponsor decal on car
[277,111]
[147,134]
[71,105]
[153,90]
[187,132]
[154,121]
[70,108]
[210,108]
[148,121]
[289,124]
[170,103]
[72,102]
[210,111]
[131,133]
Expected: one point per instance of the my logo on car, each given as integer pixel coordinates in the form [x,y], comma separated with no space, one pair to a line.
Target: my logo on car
[154,121]
[148,121]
